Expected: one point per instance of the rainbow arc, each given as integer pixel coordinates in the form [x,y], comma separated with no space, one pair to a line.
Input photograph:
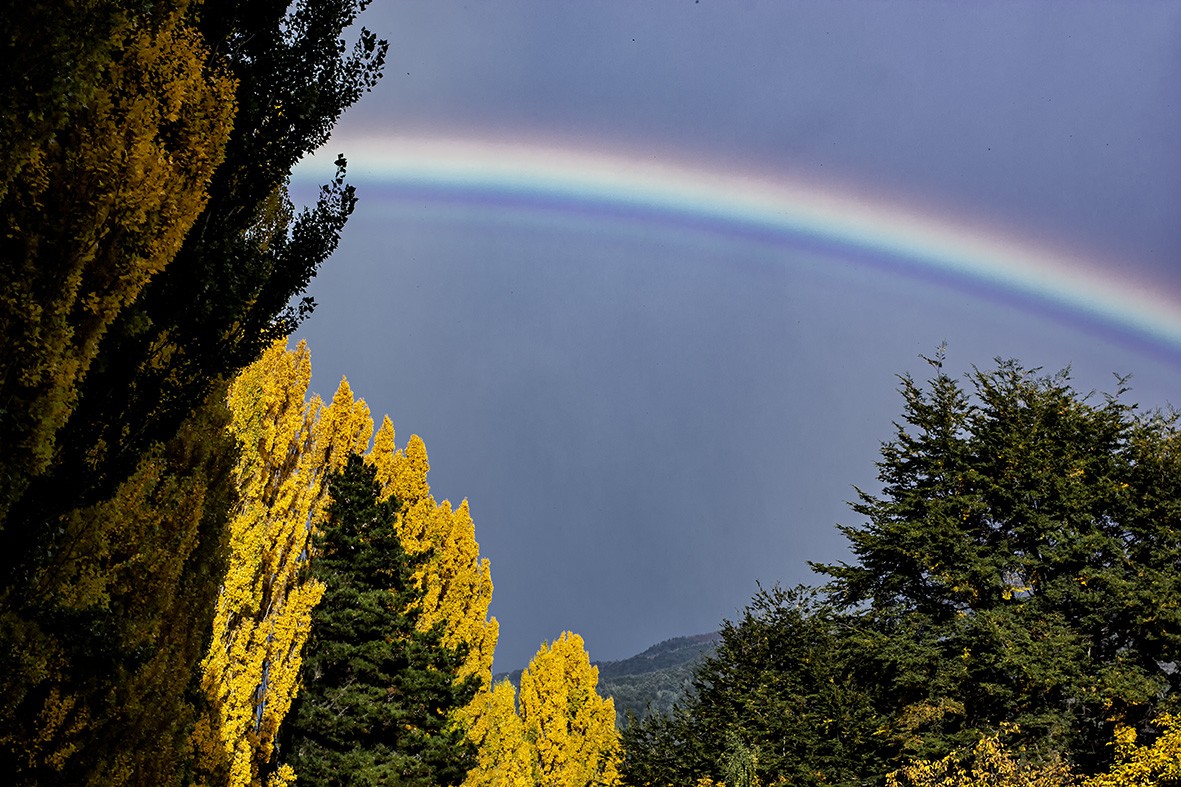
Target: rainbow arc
[659,190]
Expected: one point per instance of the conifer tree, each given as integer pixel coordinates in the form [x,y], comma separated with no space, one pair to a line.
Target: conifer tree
[377,695]
[783,682]
[1011,569]
[1016,571]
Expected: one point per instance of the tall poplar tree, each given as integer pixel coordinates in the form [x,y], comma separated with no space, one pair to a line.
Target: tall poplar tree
[456,583]
[378,693]
[149,252]
[98,199]
[196,251]
[290,446]
[504,758]
[568,727]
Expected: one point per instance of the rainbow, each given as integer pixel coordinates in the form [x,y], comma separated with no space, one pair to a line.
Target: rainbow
[635,187]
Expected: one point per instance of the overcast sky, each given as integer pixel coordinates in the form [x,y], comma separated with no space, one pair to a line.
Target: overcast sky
[648,418]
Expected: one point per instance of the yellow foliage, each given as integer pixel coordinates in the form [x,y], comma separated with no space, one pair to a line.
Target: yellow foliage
[503,758]
[135,565]
[97,210]
[289,446]
[989,763]
[456,583]
[1144,766]
[570,728]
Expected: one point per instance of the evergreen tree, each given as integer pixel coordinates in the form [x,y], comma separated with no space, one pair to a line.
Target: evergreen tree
[377,692]
[1013,567]
[781,684]
[1017,571]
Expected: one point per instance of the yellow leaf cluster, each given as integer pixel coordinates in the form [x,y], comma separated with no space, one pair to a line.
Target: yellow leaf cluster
[289,447]
[503,759]
[1145,766]
[989,763]
[135,565]
[100,208]
[564,734]
[455,583]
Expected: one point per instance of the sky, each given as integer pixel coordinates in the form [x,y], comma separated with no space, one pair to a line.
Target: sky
[643,275]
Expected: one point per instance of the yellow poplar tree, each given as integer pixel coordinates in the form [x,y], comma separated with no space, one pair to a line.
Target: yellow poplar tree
[503,758]
[95,210]
[569,727]
[456,583]
[125,619]
[289,446]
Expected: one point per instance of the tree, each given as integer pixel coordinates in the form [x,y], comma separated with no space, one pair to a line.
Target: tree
[99,668]
[149,253]
[503,756]
[97,206]
[1157,764]
[782,688]
[456,583]
[377,693]
[568,727]
[290,446]
[1016,571]
[1012,568]
[215,287]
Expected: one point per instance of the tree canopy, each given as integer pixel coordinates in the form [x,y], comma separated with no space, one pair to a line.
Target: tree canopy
[1016,570]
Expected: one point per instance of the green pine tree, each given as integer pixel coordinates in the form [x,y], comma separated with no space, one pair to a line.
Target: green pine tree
[1017,572]
[1017,566]
[376,692]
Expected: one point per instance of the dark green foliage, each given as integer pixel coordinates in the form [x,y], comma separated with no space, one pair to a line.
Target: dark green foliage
[647,693]
[781,686]
[376,692]
[1016,565]
[1019,565]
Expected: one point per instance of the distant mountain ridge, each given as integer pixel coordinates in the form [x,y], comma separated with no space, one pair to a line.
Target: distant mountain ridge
[651,681]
